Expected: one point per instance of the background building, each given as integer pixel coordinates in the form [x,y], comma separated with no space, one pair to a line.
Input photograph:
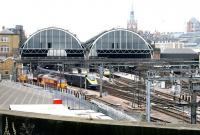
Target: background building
[9,43]
[179,54]
[167,40]
[8,66]
[18,30]
[193,25]
[191,40]
[156,54]
[169,44]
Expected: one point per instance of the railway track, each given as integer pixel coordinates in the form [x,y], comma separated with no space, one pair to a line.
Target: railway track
[132,85]
[153,119]
[126,94]
[140,96]
[139,93]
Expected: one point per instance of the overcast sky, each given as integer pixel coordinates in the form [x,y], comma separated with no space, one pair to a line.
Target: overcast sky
[86,18]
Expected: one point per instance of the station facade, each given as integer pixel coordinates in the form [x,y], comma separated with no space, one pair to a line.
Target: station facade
[52,42]
[115,43]
[118,43]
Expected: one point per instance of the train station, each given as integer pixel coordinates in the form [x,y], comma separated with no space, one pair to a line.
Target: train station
[55,45]
[100,67]
[114,76]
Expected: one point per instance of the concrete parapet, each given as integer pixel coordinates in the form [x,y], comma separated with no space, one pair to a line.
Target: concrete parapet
[32,123]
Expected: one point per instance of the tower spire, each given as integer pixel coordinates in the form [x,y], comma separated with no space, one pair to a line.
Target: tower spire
[132,12]
[132,24]
[132,6]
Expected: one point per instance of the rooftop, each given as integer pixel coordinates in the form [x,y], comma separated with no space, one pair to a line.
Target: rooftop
[59,110]
[6,31]
[178,51]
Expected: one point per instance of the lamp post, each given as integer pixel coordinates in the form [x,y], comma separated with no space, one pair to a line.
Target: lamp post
[85,82]
[110,73]
[195,87]
[80,79]
[60,77]
[14,76]
[60,68]
[148,95]
[101,76]
[148,104]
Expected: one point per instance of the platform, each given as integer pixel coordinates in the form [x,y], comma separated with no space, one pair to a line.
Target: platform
[126,75]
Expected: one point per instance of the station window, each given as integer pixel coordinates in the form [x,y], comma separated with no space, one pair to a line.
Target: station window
[117,45]
[49,45]
[113,45]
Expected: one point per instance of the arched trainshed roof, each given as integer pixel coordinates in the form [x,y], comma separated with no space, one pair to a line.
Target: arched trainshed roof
[52,41]
[118,43]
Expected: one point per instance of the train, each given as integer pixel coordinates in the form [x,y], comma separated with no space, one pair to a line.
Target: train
[82,71]
[45,80]
[74,77]
[73,70]
[106,72]
[23,78]
[79,80]
[52,80]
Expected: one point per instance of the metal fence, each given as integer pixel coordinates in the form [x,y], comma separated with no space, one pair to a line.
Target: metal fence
[112,112]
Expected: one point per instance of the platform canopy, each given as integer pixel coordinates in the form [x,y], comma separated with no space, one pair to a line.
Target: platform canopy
[52,41]
[119,43]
